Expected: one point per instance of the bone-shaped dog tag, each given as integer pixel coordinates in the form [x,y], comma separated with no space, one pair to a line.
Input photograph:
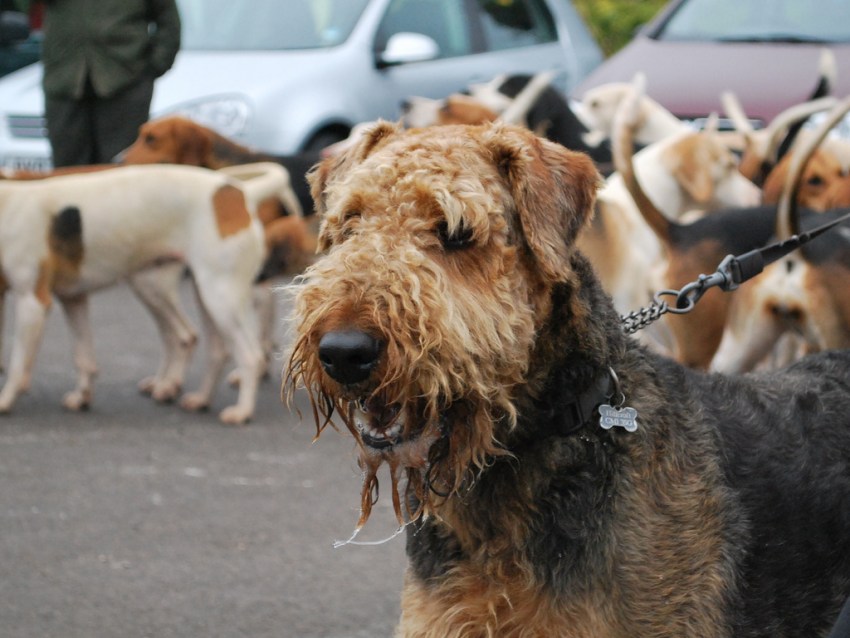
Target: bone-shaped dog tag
[610,417]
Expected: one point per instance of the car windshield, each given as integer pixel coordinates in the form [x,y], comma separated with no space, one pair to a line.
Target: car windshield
[264,25]
[759,21]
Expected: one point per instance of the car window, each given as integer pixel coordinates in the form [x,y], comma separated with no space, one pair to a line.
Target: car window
[759,20]
[508,24]
[446,21]
[262,25]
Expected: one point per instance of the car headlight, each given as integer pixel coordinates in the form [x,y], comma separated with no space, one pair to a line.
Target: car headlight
[228,115]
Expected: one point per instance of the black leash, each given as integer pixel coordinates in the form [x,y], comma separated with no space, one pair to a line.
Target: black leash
[731,273]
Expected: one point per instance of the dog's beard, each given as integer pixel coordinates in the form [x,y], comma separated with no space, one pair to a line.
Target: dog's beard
[400,436]
[439,400]
[433,445]
[433,455]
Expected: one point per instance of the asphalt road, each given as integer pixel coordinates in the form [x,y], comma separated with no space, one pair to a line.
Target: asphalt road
[136,519]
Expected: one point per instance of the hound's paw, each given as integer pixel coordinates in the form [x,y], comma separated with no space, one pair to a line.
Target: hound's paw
[166,391]
[76,400]
[234,415]
[146,385]
[194,402]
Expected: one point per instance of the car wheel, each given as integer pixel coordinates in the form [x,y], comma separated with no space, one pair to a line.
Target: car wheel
[325,138]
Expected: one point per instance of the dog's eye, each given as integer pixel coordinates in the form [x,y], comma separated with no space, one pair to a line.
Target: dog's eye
[150,139]
[347,225]
[815,180]
[460,237]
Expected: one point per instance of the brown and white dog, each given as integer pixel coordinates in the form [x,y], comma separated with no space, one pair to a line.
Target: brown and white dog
[527,100]
[483,103]
[72,235]
[598,108]
[290,245]
[817,186]
[763,148]
[696,248]
[178,140]
[686,172]
[803,295]
[290,236]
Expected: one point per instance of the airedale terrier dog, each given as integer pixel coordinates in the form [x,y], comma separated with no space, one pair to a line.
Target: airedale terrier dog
[556,478]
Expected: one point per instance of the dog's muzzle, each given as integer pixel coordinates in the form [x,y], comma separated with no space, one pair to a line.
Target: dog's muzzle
[349,356]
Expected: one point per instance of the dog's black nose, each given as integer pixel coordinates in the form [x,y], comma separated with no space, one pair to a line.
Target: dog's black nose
[349,356]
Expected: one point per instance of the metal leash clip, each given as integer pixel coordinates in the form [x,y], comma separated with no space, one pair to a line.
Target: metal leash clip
[730,273]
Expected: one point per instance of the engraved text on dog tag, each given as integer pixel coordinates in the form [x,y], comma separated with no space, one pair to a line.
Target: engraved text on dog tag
[610,417]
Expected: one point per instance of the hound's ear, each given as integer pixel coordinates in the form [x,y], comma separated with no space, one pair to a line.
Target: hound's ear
[195,144]
[554,191]
[693,175]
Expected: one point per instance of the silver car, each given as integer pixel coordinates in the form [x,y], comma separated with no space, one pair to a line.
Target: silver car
[287,76]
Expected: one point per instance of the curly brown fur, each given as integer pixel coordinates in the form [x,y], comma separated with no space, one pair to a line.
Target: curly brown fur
[454,329]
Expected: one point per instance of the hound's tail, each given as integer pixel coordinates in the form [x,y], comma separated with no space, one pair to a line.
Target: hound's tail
[264,180]
[626,122]
[768,145]
[517,112]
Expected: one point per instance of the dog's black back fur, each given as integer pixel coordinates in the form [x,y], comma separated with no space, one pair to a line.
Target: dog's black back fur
[737,230]
[785,440]
[744,481]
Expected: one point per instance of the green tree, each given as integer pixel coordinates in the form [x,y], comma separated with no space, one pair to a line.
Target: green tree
[614,22]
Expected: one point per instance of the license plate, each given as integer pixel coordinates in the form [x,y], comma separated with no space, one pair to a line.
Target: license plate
[28,163]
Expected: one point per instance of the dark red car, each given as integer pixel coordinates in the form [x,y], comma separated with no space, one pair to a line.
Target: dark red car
[765,51]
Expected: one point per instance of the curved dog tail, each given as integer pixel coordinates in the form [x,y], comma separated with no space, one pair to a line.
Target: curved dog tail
[626,121]
[265,180]
[764,148]
[517,112]
[787,215]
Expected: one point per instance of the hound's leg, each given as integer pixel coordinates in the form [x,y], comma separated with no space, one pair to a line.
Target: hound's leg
[233,315]
[741,350]
[30,317]
[77,313]
[158,289]
[264,304]
[3,292]
[216,358]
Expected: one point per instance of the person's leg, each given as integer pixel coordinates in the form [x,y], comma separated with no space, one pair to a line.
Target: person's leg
[117,119]
[69,130]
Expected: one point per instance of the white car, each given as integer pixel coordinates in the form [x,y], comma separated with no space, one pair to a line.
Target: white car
[287,76]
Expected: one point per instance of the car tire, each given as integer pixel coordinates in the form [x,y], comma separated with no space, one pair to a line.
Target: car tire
[324,138]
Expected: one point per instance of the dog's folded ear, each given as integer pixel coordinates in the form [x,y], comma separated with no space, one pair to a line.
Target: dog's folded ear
[554,190]
[368,139]
[196,144]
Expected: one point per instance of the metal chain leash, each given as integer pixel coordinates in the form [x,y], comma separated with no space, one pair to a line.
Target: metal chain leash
[686,299]
[732,272]
[639,319]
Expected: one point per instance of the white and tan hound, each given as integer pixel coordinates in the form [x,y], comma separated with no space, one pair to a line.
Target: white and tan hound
[72,235]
